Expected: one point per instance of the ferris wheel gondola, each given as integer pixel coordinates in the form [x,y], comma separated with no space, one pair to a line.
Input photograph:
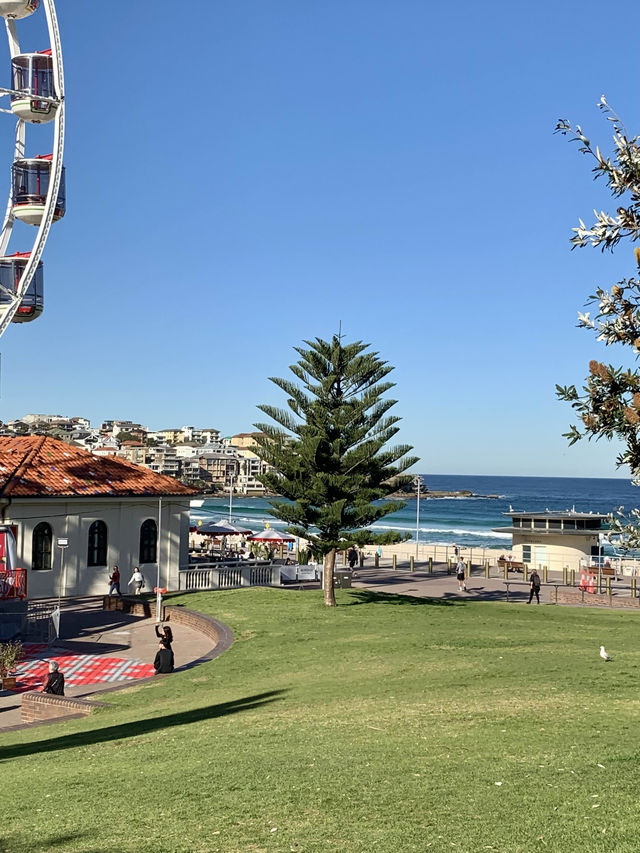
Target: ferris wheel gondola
[37,192]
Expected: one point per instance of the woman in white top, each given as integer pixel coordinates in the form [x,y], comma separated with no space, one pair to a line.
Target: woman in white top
[137,579]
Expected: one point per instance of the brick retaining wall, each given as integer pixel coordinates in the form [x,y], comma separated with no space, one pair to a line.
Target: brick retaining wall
[216,631]
[135,606]
[36,707]
[211,628]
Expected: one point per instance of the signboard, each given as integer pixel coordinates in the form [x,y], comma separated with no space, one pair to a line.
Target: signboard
[308,573]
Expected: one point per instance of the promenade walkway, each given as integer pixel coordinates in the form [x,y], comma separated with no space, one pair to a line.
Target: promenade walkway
[441,585]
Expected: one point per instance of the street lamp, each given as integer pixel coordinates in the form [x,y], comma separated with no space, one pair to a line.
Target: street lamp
[232,475]
[418,484]
[62,586]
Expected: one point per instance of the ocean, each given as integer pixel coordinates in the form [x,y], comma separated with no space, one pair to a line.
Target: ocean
[466,521]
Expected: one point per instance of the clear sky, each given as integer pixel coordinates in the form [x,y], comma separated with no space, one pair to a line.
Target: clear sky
[254,172]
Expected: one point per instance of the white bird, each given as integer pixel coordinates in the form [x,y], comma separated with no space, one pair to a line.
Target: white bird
[603,654]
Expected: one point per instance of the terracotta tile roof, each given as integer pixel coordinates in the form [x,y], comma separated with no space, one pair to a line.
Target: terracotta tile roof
[41,466]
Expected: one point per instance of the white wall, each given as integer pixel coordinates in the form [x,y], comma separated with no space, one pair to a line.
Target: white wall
[71,518]
[561,550]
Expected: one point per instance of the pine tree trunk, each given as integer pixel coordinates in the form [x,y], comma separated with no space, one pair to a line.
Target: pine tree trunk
[329,564]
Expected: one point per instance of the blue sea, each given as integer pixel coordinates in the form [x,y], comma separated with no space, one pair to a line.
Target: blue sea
[466,521]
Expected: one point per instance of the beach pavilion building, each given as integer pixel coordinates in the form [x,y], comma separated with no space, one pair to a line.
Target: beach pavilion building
[556,539]
[108,511]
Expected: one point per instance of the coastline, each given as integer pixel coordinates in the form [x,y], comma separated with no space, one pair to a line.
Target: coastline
[470,522]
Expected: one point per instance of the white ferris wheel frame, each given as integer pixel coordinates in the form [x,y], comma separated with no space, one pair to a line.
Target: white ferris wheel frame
[7,311]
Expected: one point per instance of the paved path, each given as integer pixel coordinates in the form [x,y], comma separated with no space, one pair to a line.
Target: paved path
[441,585]
[91,640]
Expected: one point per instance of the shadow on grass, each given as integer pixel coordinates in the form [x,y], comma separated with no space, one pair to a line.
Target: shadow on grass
[368,596]
[140,727]
[447,599]
[55,842]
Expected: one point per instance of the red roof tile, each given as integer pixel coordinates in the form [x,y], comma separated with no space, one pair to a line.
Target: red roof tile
[41,466]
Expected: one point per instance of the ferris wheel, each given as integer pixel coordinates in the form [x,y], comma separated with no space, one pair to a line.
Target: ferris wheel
[37,192]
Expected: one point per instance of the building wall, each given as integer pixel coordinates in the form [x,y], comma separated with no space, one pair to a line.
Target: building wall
[561,550]
[123,517]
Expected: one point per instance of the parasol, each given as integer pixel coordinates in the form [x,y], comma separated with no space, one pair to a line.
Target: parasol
[273,536]
[209,528]
[231,528]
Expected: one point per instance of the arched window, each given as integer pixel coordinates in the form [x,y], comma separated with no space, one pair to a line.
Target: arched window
[97,551]
[41,549]
[148,541]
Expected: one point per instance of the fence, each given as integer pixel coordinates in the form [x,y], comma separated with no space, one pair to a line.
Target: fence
[480,557]
[228,576]
[40,626]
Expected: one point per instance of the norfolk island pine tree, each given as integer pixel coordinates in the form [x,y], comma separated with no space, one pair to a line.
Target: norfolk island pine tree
[329,450]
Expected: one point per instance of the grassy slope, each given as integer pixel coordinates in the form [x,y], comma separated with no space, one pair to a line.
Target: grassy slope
[383,726]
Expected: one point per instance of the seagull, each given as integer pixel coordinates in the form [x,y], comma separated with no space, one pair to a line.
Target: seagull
[603,654]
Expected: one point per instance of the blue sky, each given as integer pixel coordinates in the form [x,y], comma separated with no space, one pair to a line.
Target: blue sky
[252,174]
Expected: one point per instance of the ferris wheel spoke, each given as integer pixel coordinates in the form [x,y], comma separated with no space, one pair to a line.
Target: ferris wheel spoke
[24,93]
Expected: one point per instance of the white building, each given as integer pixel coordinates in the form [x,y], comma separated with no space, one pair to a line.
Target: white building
[556,539]
[110,512]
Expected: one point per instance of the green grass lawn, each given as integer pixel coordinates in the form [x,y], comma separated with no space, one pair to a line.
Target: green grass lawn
[385,724]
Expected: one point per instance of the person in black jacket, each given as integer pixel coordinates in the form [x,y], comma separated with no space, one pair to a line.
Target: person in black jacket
[164,659]
[166,635]
[55,680]
[534,586]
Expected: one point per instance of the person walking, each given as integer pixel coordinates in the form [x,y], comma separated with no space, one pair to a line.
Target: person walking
[114,581]
[55,680]
[137,579]
[164,659]
[462,586]
[534,586]
[352,557]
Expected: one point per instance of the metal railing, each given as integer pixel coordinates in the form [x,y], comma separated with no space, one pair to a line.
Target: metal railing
[13,584]
[228,575]
[39,626]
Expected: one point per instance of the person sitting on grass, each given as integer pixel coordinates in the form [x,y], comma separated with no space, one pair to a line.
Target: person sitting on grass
[55,680]
[163,662]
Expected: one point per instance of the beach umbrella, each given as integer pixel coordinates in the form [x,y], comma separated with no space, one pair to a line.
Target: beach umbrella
[209,528]
[273,537]
[231,528]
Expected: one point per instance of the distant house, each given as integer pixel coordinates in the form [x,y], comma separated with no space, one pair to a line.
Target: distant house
[109,510]
[245,439]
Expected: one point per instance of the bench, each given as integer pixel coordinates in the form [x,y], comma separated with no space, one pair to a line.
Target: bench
[511,565]
[604,571]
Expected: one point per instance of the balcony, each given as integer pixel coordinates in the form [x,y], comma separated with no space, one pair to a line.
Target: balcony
[13,584]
